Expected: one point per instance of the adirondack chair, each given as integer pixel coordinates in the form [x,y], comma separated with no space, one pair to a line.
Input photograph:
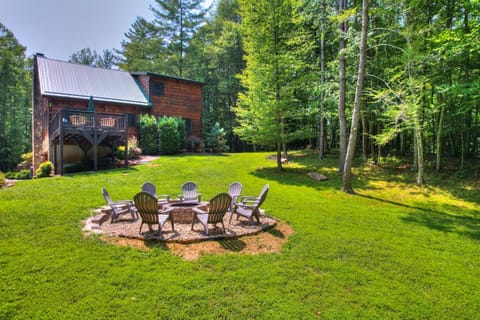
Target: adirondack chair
[147,206]
[216,211]
[190,192]
[152,189]
[234,190]
[249,207]
[119,207]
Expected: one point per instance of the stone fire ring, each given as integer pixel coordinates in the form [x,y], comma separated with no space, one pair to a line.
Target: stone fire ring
[125,227]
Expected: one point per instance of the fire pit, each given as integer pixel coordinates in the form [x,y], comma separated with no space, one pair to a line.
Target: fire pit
[182,212]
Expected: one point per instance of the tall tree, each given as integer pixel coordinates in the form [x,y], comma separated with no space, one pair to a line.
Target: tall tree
[268,112]
[352,140]
[216,56]
[342,27]
[15,101]
[177,21]
[143,48]
[84,56]
[106,60]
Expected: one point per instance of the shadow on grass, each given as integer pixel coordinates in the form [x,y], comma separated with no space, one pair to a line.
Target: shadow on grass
[463,225]
[276,233]
[464,222]
[156,244]
[235,245]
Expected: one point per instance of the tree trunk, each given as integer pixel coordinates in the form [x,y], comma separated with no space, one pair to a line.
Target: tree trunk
[364,135]
[418,138]
[321,134]
[439,138]
[352,141]
[341,89]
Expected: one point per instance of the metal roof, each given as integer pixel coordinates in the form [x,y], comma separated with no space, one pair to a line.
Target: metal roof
[78,81]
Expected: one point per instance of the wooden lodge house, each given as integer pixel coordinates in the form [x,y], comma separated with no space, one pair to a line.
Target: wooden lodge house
[80,111]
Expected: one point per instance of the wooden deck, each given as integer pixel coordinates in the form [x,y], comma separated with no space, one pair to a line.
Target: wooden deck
[86,129]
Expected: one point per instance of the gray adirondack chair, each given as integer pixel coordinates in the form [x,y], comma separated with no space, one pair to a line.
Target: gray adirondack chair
[152,189]
[119,207]
[234,190]
[147,206]
[190,192]
[249,207]
[216,211]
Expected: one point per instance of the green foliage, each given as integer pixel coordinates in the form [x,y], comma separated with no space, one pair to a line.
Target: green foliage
[268,111]
[134,151]
[2,179]
[216,139]
[148,134]
[169,136]
[18,175]
[44,170]
[15,101]
[176,22]
[182,132]
[86,56]
[143,49]
[27,157]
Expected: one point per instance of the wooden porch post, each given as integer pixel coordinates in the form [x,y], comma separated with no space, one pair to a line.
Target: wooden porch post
[126,141]
[95,142]
[61,150]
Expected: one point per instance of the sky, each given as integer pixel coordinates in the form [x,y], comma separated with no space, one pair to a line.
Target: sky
[59,28]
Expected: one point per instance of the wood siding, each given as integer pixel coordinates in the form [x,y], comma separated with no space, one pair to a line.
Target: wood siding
[180,99]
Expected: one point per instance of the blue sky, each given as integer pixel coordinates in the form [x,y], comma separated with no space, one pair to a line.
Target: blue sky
[59,28]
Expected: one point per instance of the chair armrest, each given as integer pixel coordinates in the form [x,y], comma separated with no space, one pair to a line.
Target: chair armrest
[197,210]
[123,202]
[180,197]
[199,196]
[247,198]
[166,211]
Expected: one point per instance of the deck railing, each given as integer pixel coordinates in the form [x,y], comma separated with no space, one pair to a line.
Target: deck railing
[88,120]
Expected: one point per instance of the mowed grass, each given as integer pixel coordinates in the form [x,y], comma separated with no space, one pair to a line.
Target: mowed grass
[393,251]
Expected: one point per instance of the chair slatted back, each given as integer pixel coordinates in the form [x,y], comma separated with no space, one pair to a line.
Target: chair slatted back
[235,189]
[149,188]
[189,190]
[261,197]
[147,206]
[218,207]
[106,196]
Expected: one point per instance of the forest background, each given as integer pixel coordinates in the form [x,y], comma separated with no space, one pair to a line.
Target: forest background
[283,74]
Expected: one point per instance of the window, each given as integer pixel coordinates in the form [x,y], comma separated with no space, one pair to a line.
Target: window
[132,120]
[157,88]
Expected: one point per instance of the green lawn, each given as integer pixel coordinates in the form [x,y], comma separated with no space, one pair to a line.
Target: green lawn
[393,251]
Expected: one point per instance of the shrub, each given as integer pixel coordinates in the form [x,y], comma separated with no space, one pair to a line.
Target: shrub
[18,175]
[120,153]
[168,135]
[44,170]
[148,134]
[133,150]
[195,144]
[2,179]
[216,139]
[182,132]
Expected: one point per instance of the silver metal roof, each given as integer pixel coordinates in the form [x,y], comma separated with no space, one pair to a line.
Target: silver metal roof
[78,81]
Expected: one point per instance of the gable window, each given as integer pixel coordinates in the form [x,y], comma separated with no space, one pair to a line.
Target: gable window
[157,88]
